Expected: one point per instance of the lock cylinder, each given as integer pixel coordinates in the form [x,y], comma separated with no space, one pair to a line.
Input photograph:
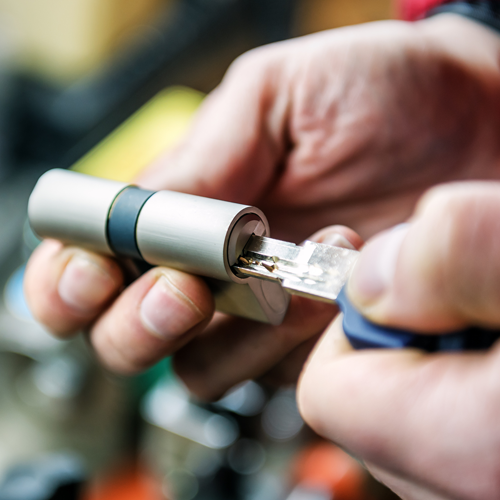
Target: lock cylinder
[198,235]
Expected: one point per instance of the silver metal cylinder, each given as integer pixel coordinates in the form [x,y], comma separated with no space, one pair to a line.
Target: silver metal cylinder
[197,235]
[73,208]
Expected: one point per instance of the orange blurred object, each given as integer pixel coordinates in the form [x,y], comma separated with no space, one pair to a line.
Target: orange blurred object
[318,15]
[128,483]
[324,466]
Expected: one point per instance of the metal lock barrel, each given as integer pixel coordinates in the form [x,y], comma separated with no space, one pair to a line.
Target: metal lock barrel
[197,235]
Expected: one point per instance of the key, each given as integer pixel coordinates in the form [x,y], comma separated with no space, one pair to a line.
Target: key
[312,270]
[319,272]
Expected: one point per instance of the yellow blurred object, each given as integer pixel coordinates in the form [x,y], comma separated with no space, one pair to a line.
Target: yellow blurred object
[62,39]
[156,127]
[318,15]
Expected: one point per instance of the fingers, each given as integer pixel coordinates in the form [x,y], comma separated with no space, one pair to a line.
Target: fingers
[67,288]
[240,125]
[152,318]
[232,350]
[442,271]
[286,372]
[426,419]
[418,419]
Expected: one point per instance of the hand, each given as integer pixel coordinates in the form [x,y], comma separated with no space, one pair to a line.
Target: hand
[348,126]
[424,424]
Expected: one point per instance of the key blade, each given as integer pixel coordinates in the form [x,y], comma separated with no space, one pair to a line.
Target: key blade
[312,270]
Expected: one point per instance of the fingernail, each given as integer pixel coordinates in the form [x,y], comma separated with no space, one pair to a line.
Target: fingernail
[166,312]
[338,240]
[375,268]
[85,286]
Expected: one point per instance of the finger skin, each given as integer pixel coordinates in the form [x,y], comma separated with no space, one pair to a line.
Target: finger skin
[431,419]
[423,423]
[315,130]
[122,339]
[233,134]
[450,257]
[404,488]
[232,350]
[286,372]
[125,342]
[329,235]
[43,274]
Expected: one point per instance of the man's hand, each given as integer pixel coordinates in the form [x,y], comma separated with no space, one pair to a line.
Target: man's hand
[347,127]
[425,424]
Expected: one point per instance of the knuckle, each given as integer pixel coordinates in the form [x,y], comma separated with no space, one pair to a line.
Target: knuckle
[207,394]
[202,390]
[252,59]
[251,67]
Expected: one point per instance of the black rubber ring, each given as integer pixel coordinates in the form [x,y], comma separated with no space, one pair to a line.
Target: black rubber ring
[122,221]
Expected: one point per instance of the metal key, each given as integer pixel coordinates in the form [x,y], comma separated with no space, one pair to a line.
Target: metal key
[312,270]
[319,272]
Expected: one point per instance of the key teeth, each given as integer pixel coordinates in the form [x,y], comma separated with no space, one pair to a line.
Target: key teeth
[269,267]
[313,270]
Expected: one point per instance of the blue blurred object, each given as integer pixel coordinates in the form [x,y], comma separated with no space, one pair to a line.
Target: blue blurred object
[14,296]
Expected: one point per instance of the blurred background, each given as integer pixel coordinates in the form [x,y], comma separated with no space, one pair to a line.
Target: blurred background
[103,86]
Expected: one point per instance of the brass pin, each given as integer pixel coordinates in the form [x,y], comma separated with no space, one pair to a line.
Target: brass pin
[275,259]
[269,267]
[245,261]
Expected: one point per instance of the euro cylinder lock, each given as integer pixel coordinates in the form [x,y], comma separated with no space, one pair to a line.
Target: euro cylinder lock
[189,233]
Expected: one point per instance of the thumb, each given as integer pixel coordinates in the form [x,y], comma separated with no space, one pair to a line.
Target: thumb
[236,139]
[440,272]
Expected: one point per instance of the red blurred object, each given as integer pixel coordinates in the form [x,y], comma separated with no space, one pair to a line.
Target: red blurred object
[411,10]
[326,467]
